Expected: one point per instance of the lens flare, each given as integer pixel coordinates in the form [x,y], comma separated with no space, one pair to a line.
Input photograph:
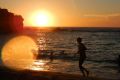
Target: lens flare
[18,53]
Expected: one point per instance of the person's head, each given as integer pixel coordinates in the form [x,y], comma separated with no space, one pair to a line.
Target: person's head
[79,40]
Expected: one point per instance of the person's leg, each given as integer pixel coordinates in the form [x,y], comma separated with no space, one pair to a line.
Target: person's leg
[87,72]
[82,69]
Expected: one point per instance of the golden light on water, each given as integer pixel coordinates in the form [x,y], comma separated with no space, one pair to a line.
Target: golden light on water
[17,53]
[39,65]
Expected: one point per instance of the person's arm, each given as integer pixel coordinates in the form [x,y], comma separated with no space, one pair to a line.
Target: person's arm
[84,47]
[77,52]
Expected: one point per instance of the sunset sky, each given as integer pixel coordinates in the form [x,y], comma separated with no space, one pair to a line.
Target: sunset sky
[82,13]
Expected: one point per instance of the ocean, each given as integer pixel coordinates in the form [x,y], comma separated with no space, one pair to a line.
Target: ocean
[103,48]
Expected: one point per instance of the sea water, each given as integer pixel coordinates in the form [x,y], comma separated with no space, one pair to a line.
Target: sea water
[103,48]
[102,52]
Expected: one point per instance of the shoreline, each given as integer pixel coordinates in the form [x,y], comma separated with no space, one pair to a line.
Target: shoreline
[9,74]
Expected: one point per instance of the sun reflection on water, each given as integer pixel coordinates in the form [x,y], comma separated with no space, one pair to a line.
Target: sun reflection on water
[21,53]
[42,41]
[39,65]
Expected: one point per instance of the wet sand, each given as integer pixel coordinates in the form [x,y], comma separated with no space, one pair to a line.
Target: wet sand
[9,74]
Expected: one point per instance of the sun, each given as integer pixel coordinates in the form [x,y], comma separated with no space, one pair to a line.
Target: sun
[42,19]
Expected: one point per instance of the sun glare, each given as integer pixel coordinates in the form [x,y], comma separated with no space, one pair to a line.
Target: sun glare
[17,56]
[42,19]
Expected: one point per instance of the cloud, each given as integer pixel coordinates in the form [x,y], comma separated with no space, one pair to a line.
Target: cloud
[110,20]
[102,16]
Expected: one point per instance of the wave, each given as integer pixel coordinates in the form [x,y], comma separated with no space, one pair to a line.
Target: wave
[50,54]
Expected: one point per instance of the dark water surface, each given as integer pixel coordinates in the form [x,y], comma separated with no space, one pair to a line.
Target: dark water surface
[103,50]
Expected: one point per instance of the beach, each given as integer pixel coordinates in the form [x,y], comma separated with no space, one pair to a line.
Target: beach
[59,40]
[9,74]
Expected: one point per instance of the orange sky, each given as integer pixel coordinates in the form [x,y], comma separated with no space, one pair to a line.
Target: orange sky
[83,13]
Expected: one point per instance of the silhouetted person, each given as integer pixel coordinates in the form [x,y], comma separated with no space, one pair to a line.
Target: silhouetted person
[51,56]
[81,52]
[118,60]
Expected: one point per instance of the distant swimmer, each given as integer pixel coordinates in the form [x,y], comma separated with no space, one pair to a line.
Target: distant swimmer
[81,52]
[51,56]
